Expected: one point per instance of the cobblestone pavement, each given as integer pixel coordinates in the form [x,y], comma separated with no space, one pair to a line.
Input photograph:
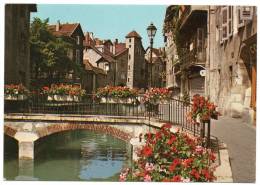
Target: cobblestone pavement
[240,138]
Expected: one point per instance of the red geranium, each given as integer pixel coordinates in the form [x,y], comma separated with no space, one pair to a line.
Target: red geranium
[147,151]
[176,178]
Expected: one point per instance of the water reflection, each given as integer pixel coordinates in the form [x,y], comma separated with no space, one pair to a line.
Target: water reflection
[73,155]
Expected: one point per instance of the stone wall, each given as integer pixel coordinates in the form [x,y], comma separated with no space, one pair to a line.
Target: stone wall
[228,82]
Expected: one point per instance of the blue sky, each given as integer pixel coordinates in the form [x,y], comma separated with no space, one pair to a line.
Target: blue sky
[108,21]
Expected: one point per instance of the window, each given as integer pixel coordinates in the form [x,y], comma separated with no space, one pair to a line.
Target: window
[129,40]
[246,13]
[230,21]
[224,12]
[240,21]
[77,56]
[128,79]
[230,75]
[129,56]
[200,36]
[128,67]
[78,40]
[129,46]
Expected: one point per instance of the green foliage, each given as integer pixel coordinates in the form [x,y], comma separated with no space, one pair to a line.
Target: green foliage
[49,54]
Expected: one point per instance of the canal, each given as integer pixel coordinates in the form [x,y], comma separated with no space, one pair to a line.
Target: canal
[78,155]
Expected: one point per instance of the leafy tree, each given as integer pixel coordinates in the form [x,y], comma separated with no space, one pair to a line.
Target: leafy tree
[49,54]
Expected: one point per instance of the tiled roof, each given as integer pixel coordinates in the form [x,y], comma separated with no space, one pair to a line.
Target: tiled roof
[64,29]
[133,34]
[90,67]
[103,55]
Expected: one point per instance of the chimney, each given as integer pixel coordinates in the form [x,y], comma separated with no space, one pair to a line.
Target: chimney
[91,35]
[116,41]
[58,25]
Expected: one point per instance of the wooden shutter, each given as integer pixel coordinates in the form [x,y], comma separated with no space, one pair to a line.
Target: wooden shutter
[230,21]
[224,12]
[200,36]
[240,22]
[246,13]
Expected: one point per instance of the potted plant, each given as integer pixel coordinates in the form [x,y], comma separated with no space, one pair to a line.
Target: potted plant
[15,92]
[62,92]
[171,157]
[202,110]
[157,96]
[116,94]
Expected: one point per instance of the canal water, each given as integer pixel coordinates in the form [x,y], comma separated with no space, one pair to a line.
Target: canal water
[78,155]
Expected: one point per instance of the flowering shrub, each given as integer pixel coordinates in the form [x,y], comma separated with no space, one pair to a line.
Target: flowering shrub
[116,92]
[15,90]
[62,89]
[153,95]
[202,108]
[174,157]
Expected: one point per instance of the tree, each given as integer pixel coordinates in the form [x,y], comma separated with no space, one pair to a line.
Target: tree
[49,54]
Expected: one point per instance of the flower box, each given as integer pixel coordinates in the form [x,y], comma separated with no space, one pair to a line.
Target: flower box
[63,98]
[15,97]
[117,100]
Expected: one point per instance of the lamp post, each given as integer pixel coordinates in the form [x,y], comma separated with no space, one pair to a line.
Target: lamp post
[151,31]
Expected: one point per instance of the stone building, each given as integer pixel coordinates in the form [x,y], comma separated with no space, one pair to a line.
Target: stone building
[171,56]
[72,33]
[95,77]
[216,55]
[231,74]
[158,66]
[17,51]
[136,75]
[124,63]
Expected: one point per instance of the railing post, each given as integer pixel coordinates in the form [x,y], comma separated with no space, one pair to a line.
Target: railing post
[208,134]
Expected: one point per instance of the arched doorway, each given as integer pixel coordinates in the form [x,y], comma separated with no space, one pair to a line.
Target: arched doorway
[247,65]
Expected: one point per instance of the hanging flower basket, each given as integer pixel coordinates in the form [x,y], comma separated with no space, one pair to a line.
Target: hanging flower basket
[110,94]
[157,96]
[63,93]
[64,98]
[117,100]
[15,97]
[15,92]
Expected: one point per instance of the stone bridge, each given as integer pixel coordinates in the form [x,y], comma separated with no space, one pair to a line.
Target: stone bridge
[27,128]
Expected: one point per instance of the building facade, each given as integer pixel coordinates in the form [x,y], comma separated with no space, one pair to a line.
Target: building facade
[124,63]
[136,74]
[17,50]
[216,55]
[231,74]
[158,66]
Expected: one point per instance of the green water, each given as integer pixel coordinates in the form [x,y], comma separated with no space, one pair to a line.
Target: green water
[69,156]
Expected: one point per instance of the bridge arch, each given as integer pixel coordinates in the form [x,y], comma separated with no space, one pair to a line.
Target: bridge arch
[112,130]
[10,131]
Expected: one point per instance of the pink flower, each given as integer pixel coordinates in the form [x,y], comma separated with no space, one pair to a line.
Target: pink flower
[147,178]
[149,167]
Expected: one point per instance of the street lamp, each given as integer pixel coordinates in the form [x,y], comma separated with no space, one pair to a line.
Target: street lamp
[151,31]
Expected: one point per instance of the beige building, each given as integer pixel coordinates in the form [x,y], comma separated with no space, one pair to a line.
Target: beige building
[136,74]
[17,50]
[216,55]
[158,66]
[124,63]
[231,74]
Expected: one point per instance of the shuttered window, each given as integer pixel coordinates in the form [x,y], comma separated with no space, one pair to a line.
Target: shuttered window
[230,21]
[240,21]
[200,36]
[224,12]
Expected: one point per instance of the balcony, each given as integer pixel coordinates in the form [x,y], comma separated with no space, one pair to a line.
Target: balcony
[193,16]
[193,57]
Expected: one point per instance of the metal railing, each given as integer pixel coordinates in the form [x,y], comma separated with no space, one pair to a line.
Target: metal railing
[174,111]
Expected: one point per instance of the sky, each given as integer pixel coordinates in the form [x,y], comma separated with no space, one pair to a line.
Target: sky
[108,21]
